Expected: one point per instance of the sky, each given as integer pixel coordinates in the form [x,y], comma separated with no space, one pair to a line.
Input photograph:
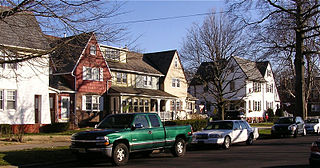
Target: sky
[163,34]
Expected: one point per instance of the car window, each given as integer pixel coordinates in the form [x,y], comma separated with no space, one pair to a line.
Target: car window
[236,125]
[141,119]
[154,121]
[286,120]
[243,125]
[116,121]
[225,125]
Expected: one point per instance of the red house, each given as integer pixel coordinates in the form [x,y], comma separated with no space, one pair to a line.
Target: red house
[79,80]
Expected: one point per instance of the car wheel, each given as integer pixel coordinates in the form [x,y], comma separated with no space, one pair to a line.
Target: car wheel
[120,155]
[179,148]
[227,142]
[250,140]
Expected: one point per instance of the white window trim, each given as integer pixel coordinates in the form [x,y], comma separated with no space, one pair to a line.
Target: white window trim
[175,82]
[100,103]
[147,80]
[15,99]
[2,99]
[93,49]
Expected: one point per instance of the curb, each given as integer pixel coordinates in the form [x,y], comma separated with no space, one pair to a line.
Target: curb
[47,163]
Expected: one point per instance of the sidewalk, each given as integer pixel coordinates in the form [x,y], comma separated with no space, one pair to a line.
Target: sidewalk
[7,148]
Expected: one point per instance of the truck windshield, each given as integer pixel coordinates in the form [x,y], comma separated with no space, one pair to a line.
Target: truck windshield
[228,125]
[116,121]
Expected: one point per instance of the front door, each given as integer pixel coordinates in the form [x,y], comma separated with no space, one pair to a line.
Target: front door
[142,137]
[65,107]
[37,108]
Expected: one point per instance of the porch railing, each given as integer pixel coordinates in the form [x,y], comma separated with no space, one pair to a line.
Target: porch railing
[167,116]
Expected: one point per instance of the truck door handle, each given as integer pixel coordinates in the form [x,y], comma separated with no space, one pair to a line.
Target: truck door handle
[149,132]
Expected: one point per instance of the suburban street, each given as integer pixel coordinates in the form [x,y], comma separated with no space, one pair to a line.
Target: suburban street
[284,153]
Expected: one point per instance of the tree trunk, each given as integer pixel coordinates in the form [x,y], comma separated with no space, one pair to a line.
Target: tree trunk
[299,66]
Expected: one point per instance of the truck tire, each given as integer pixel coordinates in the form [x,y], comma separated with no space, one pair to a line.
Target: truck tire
[250,140]
[120,155]
[227,142]
[179,148]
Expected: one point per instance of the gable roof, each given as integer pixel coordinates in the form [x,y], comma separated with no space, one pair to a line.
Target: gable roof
[22,30]
[134,63]
[68,50]
[160,60]
[250,68]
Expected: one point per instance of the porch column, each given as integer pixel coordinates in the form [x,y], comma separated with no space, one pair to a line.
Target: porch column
[121,108]
[158,108]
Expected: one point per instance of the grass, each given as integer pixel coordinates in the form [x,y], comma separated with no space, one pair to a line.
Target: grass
[264,124]
[32,156]
[264,131]
[68,132]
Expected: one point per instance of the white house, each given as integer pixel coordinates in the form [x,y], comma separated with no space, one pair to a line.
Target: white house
[24,96]
[249,87]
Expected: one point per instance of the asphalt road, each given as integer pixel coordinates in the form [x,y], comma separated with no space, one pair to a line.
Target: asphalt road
[265,153]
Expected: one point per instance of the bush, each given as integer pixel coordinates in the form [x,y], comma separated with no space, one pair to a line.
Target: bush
[5,130]
[55,127]
[270,114]
[279,113]
[197,124]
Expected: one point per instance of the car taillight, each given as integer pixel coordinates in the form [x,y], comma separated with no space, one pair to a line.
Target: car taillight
[315,147]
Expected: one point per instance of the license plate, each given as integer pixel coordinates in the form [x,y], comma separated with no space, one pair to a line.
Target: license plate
[82,150]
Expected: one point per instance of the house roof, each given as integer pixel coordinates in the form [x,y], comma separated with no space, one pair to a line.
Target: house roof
[250,68]
[134,63]
[22,29]
[160,60]
[60,83]
[139,92]
[262,66]
[68,50]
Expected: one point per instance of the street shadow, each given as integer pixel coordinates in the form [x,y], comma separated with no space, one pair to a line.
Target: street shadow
[290,166]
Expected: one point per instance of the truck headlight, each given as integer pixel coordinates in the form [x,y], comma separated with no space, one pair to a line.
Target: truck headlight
[104,140]
[292,128]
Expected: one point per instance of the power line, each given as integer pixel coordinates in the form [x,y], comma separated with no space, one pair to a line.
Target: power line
[167,18]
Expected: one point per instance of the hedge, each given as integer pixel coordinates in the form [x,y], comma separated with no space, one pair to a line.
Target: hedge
[55,127]
[197,124]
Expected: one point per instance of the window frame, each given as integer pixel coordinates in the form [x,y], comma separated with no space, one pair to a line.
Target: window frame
[92,104]
[1,99]
[93,49]
[14,100]
[175,83]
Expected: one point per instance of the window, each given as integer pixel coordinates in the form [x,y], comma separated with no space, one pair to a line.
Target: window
[147,80]
[256,87]
[10,65]
[175,82]
[154,121]
[90,73]
[141,119]
[172,105]
[249,104]
[176,62]
[1,99]
[93,103]
[146,105]
[112,54]
[315,107]
[179,105]
[93,49]
[135,105]
[11,99]
[141,108]
[232,88]
[257,105]
[269,72]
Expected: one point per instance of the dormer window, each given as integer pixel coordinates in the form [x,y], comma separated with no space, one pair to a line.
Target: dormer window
[93,50]
[147,80]
[112,54]
[269,73]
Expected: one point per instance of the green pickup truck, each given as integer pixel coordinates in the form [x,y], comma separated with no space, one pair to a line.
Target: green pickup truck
[120,134]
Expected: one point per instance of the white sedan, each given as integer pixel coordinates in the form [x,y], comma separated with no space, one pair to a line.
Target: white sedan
[312,126]
[225,133]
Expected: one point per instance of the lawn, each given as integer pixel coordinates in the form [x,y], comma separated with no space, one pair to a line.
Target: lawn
[264,124]
[45,155]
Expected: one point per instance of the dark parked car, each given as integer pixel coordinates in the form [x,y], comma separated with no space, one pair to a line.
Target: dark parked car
[291,126]
[314,159]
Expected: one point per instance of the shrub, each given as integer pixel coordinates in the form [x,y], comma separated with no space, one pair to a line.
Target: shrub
[270,114]
[279,113]
[55,127]
[197,124]
[5,130]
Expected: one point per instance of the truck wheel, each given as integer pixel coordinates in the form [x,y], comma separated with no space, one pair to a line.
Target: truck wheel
[179,148]
[250,140]
[227,142]
[120,155]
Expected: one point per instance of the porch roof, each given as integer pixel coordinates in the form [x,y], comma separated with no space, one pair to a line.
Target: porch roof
[139,92]
[59,83]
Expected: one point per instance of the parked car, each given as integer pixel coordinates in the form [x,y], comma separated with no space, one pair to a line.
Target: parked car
[291,126]
[314,159]
[312,126]
[225,133]
[120,134]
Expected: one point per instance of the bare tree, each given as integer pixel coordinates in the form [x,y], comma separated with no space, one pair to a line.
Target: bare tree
[299,26]
[55,18]
[212,44]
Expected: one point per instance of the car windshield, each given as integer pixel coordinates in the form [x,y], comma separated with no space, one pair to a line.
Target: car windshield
[116,121]
[312,121]
[285,121]
[228,125]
